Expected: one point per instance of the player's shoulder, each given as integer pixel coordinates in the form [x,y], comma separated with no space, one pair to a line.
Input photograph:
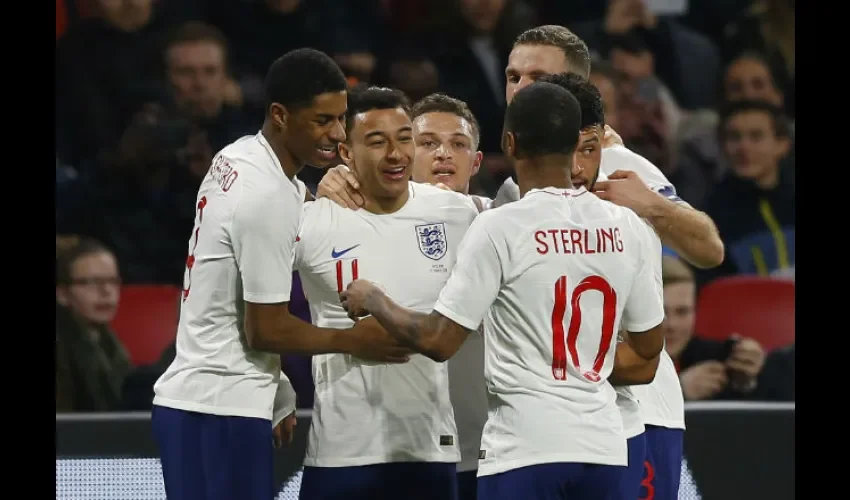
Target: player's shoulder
[622,158]
[434,197]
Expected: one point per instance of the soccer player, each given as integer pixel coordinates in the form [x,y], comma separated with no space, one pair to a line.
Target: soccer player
[525,269]
[380,431]
[215,406]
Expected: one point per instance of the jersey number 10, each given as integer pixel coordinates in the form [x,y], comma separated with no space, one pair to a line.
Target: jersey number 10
[563,346]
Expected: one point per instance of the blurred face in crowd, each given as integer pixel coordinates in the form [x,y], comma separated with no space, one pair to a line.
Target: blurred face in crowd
[312,134]
[446,150]
[588,157]
[482,15]
[93,292]
[753,148]
[608,91]
[126,15]
[198,75]
[679,316]
[283,6]
[750,79]
[528,62]
[380,149]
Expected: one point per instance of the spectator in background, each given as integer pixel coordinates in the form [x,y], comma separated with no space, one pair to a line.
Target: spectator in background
[473,51]
[140,199]
[768,27]
[91,363]
[686,61]
[700,163]
[607,79]
[754,205]
[708,369]
[99,62]
[195,59]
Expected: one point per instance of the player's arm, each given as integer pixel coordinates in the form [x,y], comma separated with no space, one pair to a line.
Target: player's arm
[689,232]
[636,359]
[463,302]
[263,232]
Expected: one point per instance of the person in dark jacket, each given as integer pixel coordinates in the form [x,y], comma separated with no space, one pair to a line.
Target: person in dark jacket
[91,362]
[708,369]
[754,205]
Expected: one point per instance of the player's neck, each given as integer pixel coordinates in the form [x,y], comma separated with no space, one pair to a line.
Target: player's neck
[288,162]
[542,172]
[382,206]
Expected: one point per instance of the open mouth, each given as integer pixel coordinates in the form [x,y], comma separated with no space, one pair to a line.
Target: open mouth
[444,170]
[395,173]
[327,152]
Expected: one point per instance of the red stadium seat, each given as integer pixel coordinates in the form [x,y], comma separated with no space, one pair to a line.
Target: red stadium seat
[757,307]
[147,320]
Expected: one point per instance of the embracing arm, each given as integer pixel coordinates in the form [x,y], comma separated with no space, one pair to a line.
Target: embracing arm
[689,232]
[636,363]
[432,334]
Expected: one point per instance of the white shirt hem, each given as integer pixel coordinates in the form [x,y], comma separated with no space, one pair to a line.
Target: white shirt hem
[497,467]
[223,411]
[470,464]
[662,422]
[634,431]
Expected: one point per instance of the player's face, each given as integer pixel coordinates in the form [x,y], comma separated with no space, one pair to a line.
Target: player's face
[93,293]
[445,151]
[679,308]
[528,62]
[314,132]
[381,151]
[752,146]
[588,157]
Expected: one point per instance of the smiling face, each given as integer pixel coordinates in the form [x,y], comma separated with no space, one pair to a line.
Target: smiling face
[380,149]
[446,150]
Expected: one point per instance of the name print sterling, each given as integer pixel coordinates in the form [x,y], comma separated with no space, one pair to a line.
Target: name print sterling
[579,241]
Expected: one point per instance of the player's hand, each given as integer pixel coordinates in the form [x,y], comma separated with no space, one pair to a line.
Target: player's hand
[747,358]
[625,188]
[285,431]
[703,380]
[357,296]
[611,138]
[373,343]
[340,185]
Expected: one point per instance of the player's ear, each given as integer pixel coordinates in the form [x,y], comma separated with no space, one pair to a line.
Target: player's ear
[508,144]
[476,163]
[345,154]
[279,115]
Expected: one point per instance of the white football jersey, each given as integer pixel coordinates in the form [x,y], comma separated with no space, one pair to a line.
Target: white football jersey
[368,413]
[241,249]
[661,402]
[553,276]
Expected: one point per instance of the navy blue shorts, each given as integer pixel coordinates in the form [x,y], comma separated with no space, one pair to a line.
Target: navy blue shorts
[663,465]
[390,481]
[213,457]
[467,485]
[557,481]
[631,485]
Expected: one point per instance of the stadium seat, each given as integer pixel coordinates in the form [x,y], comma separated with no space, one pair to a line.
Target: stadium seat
[147,320]
[758,307]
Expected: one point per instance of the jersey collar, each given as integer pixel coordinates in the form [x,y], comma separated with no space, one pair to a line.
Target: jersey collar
[559,191]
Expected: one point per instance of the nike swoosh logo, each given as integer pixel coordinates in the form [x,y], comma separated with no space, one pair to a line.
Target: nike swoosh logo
[336,255]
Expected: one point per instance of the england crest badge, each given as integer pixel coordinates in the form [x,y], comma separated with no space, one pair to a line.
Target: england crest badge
[432,240]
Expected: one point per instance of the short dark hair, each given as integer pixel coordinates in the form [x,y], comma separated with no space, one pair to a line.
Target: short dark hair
[588,97]
[441,103]
[298,76]
[363,98]
[545,119]
[729,110]
[69,251]
[575,50]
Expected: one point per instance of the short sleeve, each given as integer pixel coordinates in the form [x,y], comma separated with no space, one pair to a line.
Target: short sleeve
[645,305]
[265,225]
[475,280]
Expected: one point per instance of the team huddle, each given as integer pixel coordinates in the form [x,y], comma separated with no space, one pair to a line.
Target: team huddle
[462,347]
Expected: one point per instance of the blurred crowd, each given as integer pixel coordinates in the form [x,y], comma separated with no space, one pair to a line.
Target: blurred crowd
[147,91]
